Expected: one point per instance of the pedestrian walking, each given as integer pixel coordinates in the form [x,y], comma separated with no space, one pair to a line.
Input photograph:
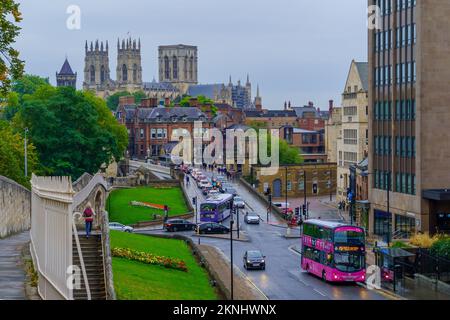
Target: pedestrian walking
[88,215]
[187,180]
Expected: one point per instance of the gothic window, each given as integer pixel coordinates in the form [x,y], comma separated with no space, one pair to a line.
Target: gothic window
[135,73]
[166,67]
[186,67]
[124,73]
[102,74]
[175,67]
[191,68]
[92,72]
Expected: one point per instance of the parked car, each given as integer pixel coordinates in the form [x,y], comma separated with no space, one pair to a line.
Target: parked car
[212,228]
[252,218]
[281,205]
[120,227]
[174,225]
[239,202]
[254,259]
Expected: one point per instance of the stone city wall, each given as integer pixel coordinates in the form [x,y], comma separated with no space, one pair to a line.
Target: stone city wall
[15,208]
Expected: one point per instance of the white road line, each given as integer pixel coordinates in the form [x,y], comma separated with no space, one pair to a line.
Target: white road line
[293,251]
[323,295]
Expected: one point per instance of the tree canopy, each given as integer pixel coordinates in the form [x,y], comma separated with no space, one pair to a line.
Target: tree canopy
[26,85]
[11,67]
[288,153]
[113,100]
[12,156]
[73,131]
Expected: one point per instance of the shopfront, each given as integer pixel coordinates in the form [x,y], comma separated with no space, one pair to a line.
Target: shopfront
[382,223]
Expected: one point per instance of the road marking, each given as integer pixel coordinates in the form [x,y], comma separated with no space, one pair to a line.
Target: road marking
[294,251]
[323,295]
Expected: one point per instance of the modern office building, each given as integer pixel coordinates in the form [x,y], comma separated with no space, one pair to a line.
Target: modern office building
[409,99]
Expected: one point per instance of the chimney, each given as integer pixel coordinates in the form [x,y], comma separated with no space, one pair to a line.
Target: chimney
[126,101]
[149,103]
[330,108]
[167,102]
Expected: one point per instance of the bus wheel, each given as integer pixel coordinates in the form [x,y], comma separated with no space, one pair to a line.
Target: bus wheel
[324,276]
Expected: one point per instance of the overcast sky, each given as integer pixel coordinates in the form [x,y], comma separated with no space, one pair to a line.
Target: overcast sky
[298,50]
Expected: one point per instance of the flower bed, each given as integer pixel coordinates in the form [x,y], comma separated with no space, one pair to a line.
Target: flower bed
[149,258]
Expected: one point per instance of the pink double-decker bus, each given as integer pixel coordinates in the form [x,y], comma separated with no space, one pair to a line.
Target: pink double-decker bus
[334,251]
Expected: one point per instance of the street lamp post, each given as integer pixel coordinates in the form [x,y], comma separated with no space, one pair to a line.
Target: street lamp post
[388,180]
[286,188]
[237,214]
[304,190]
[231,265]
[26,153]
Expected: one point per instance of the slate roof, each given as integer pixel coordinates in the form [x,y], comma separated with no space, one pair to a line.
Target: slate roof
[169,114]
[206,90]
[66,69]
[159,86]
[270,114]
[363,70]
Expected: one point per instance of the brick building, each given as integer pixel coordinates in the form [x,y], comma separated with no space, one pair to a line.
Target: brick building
[152,127]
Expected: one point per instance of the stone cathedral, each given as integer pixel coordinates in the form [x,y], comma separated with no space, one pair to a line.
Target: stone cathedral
[178,74]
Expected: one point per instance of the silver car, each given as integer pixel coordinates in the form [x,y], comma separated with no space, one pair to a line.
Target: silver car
[252,218]
[120,227]
[239,202]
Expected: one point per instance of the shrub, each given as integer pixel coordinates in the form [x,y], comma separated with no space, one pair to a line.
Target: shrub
[441,248]
[149,258]
[399,244]
[423,240]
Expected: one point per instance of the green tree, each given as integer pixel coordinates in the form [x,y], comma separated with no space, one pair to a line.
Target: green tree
[113,100]
[73,131]
[12,156]
[202,101]
[287,153]
[11,67]
[26,85]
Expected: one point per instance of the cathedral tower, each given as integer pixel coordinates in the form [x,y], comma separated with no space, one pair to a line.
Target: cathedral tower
[66,77]
[178,65]
[96,70]
[129,65]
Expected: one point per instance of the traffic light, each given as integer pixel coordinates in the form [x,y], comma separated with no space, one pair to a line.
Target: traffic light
[297,211]
[194,200]
[304,210]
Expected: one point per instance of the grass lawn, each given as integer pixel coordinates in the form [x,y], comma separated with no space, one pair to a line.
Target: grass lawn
[121,211]
[138,281]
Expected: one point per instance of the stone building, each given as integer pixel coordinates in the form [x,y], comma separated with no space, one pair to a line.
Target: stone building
[352,148]
[409,140]
[129,65]
[320,180]
[97,74]
[66,77]
[238,96]
[333,133]
[178,65]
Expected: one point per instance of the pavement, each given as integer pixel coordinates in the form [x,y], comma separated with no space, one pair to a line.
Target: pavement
[12,273]
[283,278]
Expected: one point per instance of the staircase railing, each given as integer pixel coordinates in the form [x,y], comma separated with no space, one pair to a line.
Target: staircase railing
[77,215]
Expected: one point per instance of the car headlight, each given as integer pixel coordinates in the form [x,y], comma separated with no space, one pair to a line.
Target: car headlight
[263,261]
[248,261]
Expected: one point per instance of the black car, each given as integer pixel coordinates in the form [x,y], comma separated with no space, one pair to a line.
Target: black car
[212,228]
[254,260]
[175,225]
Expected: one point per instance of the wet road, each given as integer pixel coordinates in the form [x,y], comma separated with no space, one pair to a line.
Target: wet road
[283,278]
